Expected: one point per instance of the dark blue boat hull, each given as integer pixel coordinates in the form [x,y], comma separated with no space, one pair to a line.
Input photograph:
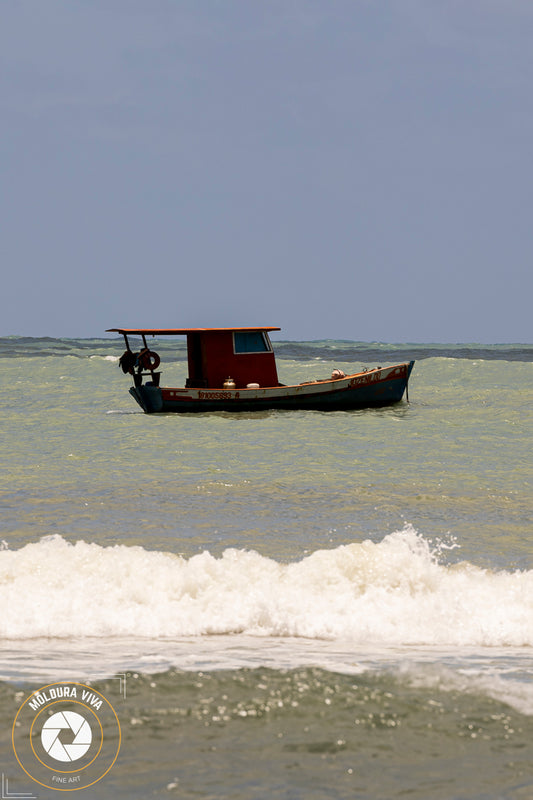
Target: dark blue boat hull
[373,389]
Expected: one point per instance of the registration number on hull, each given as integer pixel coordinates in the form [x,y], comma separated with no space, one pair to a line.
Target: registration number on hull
[218,395]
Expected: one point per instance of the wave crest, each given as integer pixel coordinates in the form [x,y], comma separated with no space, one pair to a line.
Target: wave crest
[394,592]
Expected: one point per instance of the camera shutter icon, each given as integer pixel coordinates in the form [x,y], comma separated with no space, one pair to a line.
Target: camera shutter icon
[66,721]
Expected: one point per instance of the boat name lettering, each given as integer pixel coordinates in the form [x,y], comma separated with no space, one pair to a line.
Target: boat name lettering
[369,377]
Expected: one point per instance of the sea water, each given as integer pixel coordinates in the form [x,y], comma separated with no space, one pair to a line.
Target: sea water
[282,604]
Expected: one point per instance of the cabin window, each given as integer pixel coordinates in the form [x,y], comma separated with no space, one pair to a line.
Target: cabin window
[251,342]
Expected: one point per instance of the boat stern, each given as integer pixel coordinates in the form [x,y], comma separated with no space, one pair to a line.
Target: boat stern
[149,397]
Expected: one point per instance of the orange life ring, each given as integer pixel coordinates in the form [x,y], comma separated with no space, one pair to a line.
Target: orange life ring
[148,359]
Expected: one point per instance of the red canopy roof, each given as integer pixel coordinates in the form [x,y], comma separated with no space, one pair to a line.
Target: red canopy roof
[183,331]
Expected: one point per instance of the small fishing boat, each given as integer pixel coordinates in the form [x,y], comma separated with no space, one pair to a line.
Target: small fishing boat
[234,369]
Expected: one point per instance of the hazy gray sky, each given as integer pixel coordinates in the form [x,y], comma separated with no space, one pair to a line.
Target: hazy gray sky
[356,169]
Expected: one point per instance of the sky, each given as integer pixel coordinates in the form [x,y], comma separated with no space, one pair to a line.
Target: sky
[344,169]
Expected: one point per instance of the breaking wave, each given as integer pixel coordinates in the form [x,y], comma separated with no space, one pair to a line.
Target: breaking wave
[395,592]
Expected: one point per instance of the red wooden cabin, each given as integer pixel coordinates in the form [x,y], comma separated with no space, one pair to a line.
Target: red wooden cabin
[244,354]
[216,354]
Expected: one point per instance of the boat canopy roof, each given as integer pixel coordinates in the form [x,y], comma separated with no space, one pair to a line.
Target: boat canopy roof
[184,331]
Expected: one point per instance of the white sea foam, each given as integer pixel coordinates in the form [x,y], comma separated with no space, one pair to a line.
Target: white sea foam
[497,682]
[393,593]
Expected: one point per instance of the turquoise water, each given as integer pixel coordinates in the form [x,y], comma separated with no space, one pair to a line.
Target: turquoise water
[301,604]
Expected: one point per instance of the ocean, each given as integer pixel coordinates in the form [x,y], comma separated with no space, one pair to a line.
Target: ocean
[296,605]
